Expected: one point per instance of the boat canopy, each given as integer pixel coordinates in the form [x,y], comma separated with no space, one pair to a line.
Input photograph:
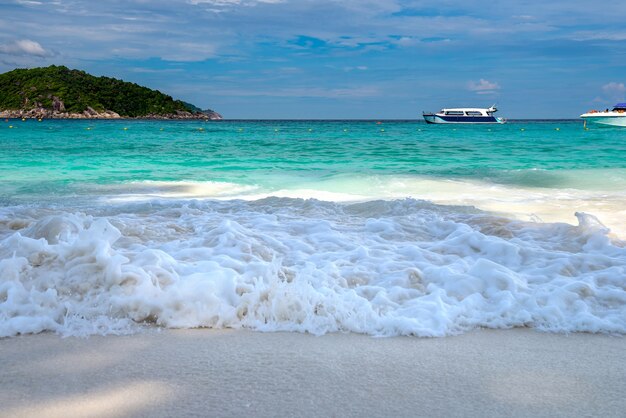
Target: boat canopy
[620,106]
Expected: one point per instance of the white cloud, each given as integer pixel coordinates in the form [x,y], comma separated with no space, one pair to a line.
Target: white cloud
[29,3]
[320,92]
[215,2]
[614,91]
[406,41]
[616,36]
[483,86]
[357,68]
[144,70]
[188,51]
[614,87]
[24,47]
[222,3]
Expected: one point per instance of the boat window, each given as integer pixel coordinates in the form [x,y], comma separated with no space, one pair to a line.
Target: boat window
[474,113]
[454,113]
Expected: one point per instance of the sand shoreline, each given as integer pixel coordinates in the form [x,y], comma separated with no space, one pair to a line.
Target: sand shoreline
[205,372]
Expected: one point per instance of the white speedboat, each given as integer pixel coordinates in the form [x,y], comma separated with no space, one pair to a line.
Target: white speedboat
[464,115]
[615,117]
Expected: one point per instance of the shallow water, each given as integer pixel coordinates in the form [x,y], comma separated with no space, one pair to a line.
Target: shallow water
[391,228]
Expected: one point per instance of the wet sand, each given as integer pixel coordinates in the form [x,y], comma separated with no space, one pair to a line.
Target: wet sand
[203,372]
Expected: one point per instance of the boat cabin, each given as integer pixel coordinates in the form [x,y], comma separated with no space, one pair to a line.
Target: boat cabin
[620,107]
[468,112]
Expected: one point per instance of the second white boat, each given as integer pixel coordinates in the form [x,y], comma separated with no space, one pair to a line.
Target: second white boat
[614,117]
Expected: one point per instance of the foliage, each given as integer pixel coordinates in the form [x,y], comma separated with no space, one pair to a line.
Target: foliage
[37,87]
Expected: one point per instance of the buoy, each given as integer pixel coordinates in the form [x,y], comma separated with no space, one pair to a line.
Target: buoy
[89,129]
[125,129]
[557,129]
[522,129]
[275,130]
[240,130]
[161,129]
[345,130]
[310,130]
[10,126]
[382,130]
[39,120]
[23,119]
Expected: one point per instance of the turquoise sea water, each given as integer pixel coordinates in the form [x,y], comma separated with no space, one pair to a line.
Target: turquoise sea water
[377,227]
[48,159]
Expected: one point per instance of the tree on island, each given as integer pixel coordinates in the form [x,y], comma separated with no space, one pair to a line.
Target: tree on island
[57,91]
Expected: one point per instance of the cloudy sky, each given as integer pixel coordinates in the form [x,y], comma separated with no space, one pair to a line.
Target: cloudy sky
[336,58]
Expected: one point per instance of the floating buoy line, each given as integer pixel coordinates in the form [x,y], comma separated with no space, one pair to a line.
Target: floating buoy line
[276,130]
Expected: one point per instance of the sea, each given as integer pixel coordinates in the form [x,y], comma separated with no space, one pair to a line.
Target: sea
[384,228]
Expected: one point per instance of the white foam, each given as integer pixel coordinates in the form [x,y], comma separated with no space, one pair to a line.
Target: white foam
[604,197]
[402,267]
[150,189]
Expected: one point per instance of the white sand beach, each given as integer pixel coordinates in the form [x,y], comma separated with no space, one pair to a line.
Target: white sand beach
[205,372]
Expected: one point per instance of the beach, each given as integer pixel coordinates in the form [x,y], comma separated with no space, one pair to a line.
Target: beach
[206,372]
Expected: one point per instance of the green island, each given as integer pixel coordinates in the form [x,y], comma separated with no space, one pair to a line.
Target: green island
[59,92]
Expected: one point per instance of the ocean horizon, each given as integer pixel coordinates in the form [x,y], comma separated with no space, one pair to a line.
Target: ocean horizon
[416,119]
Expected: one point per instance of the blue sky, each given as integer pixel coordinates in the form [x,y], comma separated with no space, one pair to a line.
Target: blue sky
[336,58]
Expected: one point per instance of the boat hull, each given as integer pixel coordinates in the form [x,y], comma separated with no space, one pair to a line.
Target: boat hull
[606,120]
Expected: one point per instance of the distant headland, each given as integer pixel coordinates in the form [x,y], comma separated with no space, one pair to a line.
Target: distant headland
[56,92]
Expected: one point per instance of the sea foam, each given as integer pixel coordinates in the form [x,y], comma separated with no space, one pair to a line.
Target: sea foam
[603,195]
[384,268]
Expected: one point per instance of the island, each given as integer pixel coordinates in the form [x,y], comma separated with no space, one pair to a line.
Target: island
[58,92]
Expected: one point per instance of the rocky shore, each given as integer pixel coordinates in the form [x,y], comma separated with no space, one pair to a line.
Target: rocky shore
[90,113]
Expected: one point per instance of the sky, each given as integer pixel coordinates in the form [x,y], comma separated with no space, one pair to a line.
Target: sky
[336,59]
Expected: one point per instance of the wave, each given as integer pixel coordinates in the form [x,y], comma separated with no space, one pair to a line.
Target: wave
[381,267]
[519,202]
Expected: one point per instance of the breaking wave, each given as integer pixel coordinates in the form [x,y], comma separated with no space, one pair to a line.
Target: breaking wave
[384,268]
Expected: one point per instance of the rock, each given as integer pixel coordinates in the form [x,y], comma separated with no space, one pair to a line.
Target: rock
[90,113]
[59,112]
[57,104]
[211,115]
